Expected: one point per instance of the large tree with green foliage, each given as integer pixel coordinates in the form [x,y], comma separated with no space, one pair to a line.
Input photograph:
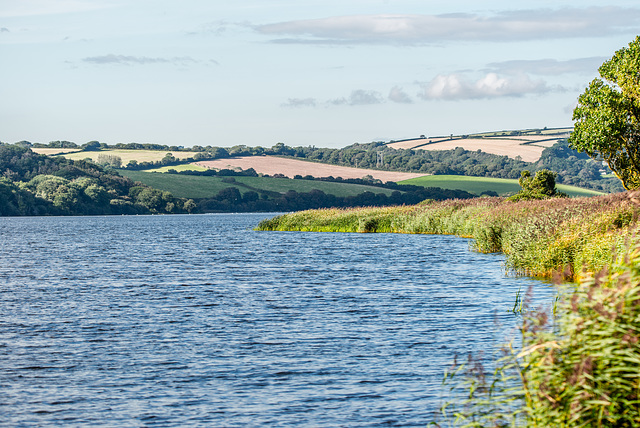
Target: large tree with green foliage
[540,186]
[607,117]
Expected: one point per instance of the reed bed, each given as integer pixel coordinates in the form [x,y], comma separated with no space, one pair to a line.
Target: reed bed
[581,369]
[540,238]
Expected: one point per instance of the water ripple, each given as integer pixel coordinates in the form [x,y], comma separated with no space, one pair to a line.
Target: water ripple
[198,320]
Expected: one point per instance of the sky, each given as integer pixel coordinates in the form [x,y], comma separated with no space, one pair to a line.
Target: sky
[325,73]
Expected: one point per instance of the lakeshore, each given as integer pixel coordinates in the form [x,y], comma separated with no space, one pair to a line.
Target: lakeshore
[539,238]
[577,363]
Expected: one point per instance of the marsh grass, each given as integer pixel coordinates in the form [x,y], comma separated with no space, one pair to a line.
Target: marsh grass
[581,369]
[539,238]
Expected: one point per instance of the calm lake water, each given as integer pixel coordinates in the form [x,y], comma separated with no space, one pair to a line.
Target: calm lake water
[201,321]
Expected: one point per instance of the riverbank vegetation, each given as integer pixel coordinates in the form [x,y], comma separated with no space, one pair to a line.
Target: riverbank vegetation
[538,237]
[577,369]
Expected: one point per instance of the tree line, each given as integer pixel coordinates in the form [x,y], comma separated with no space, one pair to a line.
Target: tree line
[232,200]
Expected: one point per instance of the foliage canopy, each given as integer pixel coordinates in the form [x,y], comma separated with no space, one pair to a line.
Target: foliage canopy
[607,118]
[540,186]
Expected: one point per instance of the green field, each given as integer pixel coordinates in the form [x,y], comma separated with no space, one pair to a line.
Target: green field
[477,185]
[191,186]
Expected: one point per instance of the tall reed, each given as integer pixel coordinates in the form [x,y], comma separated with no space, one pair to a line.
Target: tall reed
[583,370]
[539,237]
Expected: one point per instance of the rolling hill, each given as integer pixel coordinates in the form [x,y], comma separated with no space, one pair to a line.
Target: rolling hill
[190,186]
[528,144]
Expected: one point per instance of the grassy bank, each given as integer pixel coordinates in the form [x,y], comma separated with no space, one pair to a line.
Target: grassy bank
[539,238]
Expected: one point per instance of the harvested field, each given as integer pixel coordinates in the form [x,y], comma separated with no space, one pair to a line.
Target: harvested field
[128,155]
[50,151]
[497,146]
[408,144]
[290,167]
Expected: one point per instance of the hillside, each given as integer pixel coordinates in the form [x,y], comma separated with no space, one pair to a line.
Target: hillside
[528,145]
[242,193]
[36,184]
[465,155]
[291,167]
[190,186]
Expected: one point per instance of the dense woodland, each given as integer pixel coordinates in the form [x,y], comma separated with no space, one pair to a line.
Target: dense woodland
[32,184]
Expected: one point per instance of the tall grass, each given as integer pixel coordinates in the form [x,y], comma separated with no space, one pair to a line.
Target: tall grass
[583,370]
[539,238]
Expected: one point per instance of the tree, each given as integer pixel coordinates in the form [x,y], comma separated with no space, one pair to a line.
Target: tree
[540,186]
[109,160]
[607,117]
[190,205]
[167,159]
[91,146]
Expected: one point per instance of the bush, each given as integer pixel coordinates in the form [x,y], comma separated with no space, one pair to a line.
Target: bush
[540,186]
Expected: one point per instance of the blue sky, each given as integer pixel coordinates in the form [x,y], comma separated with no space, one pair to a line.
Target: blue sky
[327,73]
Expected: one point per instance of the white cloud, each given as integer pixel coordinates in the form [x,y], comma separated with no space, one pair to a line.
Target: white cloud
[457,86]
[537,24]
[300,102]
[398,95]
[360,97]
[138,60]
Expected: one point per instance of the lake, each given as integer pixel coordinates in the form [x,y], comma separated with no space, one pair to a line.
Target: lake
[197,320]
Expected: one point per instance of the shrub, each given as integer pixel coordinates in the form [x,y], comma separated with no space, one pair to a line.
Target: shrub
[540,186]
